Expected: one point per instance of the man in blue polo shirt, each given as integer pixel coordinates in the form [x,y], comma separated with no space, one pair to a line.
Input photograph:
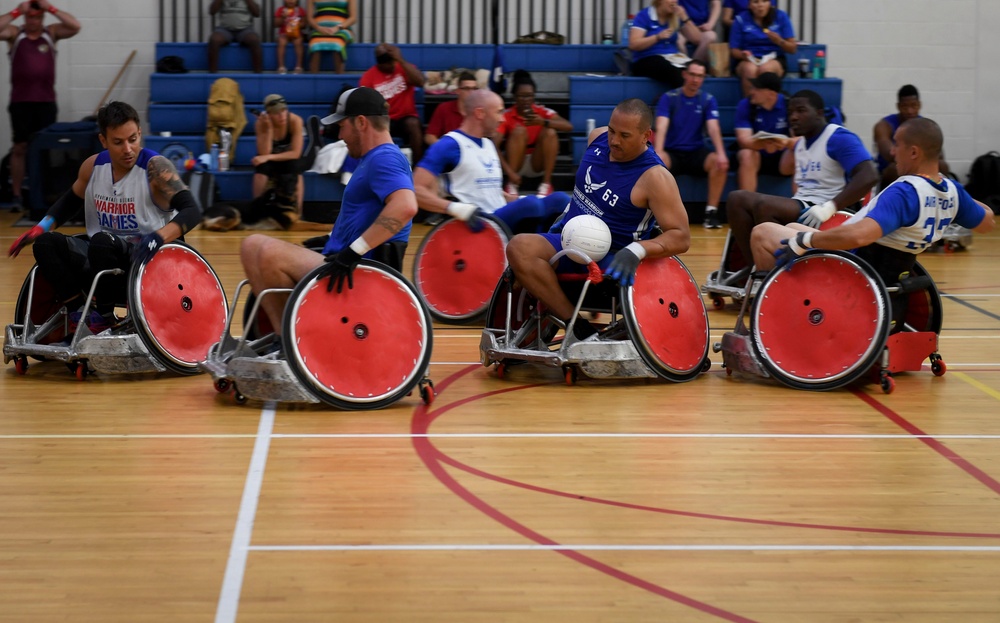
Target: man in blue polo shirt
[682,118]
[762,132]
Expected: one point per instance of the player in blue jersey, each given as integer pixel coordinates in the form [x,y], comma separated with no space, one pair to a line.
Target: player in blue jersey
[765,110]
[833,171]
[375,213]
[908,107]
[133,202]
[468,161]
[621,181]
[683,117]
[908,216]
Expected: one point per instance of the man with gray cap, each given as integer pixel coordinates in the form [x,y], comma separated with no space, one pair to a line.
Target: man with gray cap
[761,126]
[375,212]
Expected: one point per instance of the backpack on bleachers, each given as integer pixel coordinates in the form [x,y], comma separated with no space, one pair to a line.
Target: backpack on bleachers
[225,112]
[984,180]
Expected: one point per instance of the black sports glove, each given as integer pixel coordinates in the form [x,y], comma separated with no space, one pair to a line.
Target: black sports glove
[146,247]
[340,267]
[623,267]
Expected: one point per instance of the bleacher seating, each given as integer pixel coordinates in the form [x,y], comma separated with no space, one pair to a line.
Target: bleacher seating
[580,81]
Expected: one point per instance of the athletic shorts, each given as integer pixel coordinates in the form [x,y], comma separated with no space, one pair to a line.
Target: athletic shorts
[235,35]
[688,162]
[27,118]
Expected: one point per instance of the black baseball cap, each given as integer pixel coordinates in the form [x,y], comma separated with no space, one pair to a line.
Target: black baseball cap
[767,80]
[360,101]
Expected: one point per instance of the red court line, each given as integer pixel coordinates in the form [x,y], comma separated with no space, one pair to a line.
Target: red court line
[929,441]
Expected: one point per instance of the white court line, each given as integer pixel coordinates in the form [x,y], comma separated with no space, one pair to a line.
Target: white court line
[900,437]
[626,548]
[232,583]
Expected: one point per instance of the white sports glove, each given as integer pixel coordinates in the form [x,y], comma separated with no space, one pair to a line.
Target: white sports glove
[818,214]
[461,211]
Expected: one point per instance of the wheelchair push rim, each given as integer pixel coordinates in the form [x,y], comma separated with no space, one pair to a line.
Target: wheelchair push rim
[455,269]
[178,306]
[363,348]
[667,319]
[822,324]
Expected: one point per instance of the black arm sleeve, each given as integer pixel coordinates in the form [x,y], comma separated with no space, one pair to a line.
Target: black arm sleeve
[188,212]
[65,207]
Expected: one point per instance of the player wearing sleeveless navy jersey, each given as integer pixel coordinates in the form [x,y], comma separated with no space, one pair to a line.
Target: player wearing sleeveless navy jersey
[908,107]
[468,161]
[622,182]
[375,212]
[833,170]
[133,202]
[903,220]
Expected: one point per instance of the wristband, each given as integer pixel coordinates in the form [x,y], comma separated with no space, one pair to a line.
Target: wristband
[15,13]
[360,247]
[637,249]
[46,223]
[807,238]
[53,10]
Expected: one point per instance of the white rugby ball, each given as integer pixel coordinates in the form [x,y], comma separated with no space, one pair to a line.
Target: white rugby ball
[588,234]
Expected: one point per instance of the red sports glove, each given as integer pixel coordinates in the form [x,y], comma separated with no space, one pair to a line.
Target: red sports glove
[24,240]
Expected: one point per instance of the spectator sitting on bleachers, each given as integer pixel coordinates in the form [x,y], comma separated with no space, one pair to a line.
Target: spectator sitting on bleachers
[732,8]
[527,139]
[654,36]
[449,115]
[759,41]
[764,110]
[682,118]
[908,107]
[833,171]
[278,163]
[396,80]
[288,19]
[705,15]
[331,22]
[235,24]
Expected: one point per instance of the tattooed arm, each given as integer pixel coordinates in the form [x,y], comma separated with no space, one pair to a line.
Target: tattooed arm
[170,193]
[400,208]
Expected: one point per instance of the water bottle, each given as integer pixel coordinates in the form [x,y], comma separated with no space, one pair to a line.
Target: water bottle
[591,124]
[819,65]
[214,156]
[626,27]
[223,160]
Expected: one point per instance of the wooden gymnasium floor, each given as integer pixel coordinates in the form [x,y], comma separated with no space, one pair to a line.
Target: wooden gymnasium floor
[155,499]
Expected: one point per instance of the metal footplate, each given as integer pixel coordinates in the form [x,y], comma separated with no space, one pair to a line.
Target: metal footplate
[267,379]
[601,359]
[738,355]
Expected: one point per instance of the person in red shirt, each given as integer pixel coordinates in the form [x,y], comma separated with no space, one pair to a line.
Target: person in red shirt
[32,76]
[449,115]
[529,129]
[397,80]
[288,19]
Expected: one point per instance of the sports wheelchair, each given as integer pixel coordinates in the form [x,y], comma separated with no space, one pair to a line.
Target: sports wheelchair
[454,269]
[829,320]
[363,348]
[658,327]
[175,309]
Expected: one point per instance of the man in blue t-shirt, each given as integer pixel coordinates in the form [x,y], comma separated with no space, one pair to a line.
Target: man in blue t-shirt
[375,212]
[832,169]
[762,132]
[683,116]
[902,221]
[908,107]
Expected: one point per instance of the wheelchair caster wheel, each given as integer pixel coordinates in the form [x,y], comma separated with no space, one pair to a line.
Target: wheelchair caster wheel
[570,375]
[888,384]
[501,370]
[427,392]
[238,397]
[938,366]
[718,302]
[706,365]
[81,371]
[222,385]
[21,364]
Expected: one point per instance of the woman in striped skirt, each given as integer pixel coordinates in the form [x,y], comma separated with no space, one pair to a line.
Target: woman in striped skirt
[331,22]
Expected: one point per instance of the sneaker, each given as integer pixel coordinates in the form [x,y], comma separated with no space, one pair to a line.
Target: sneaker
[282,70]
[511,189]
[544,189]
[712,220]
[16,205]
